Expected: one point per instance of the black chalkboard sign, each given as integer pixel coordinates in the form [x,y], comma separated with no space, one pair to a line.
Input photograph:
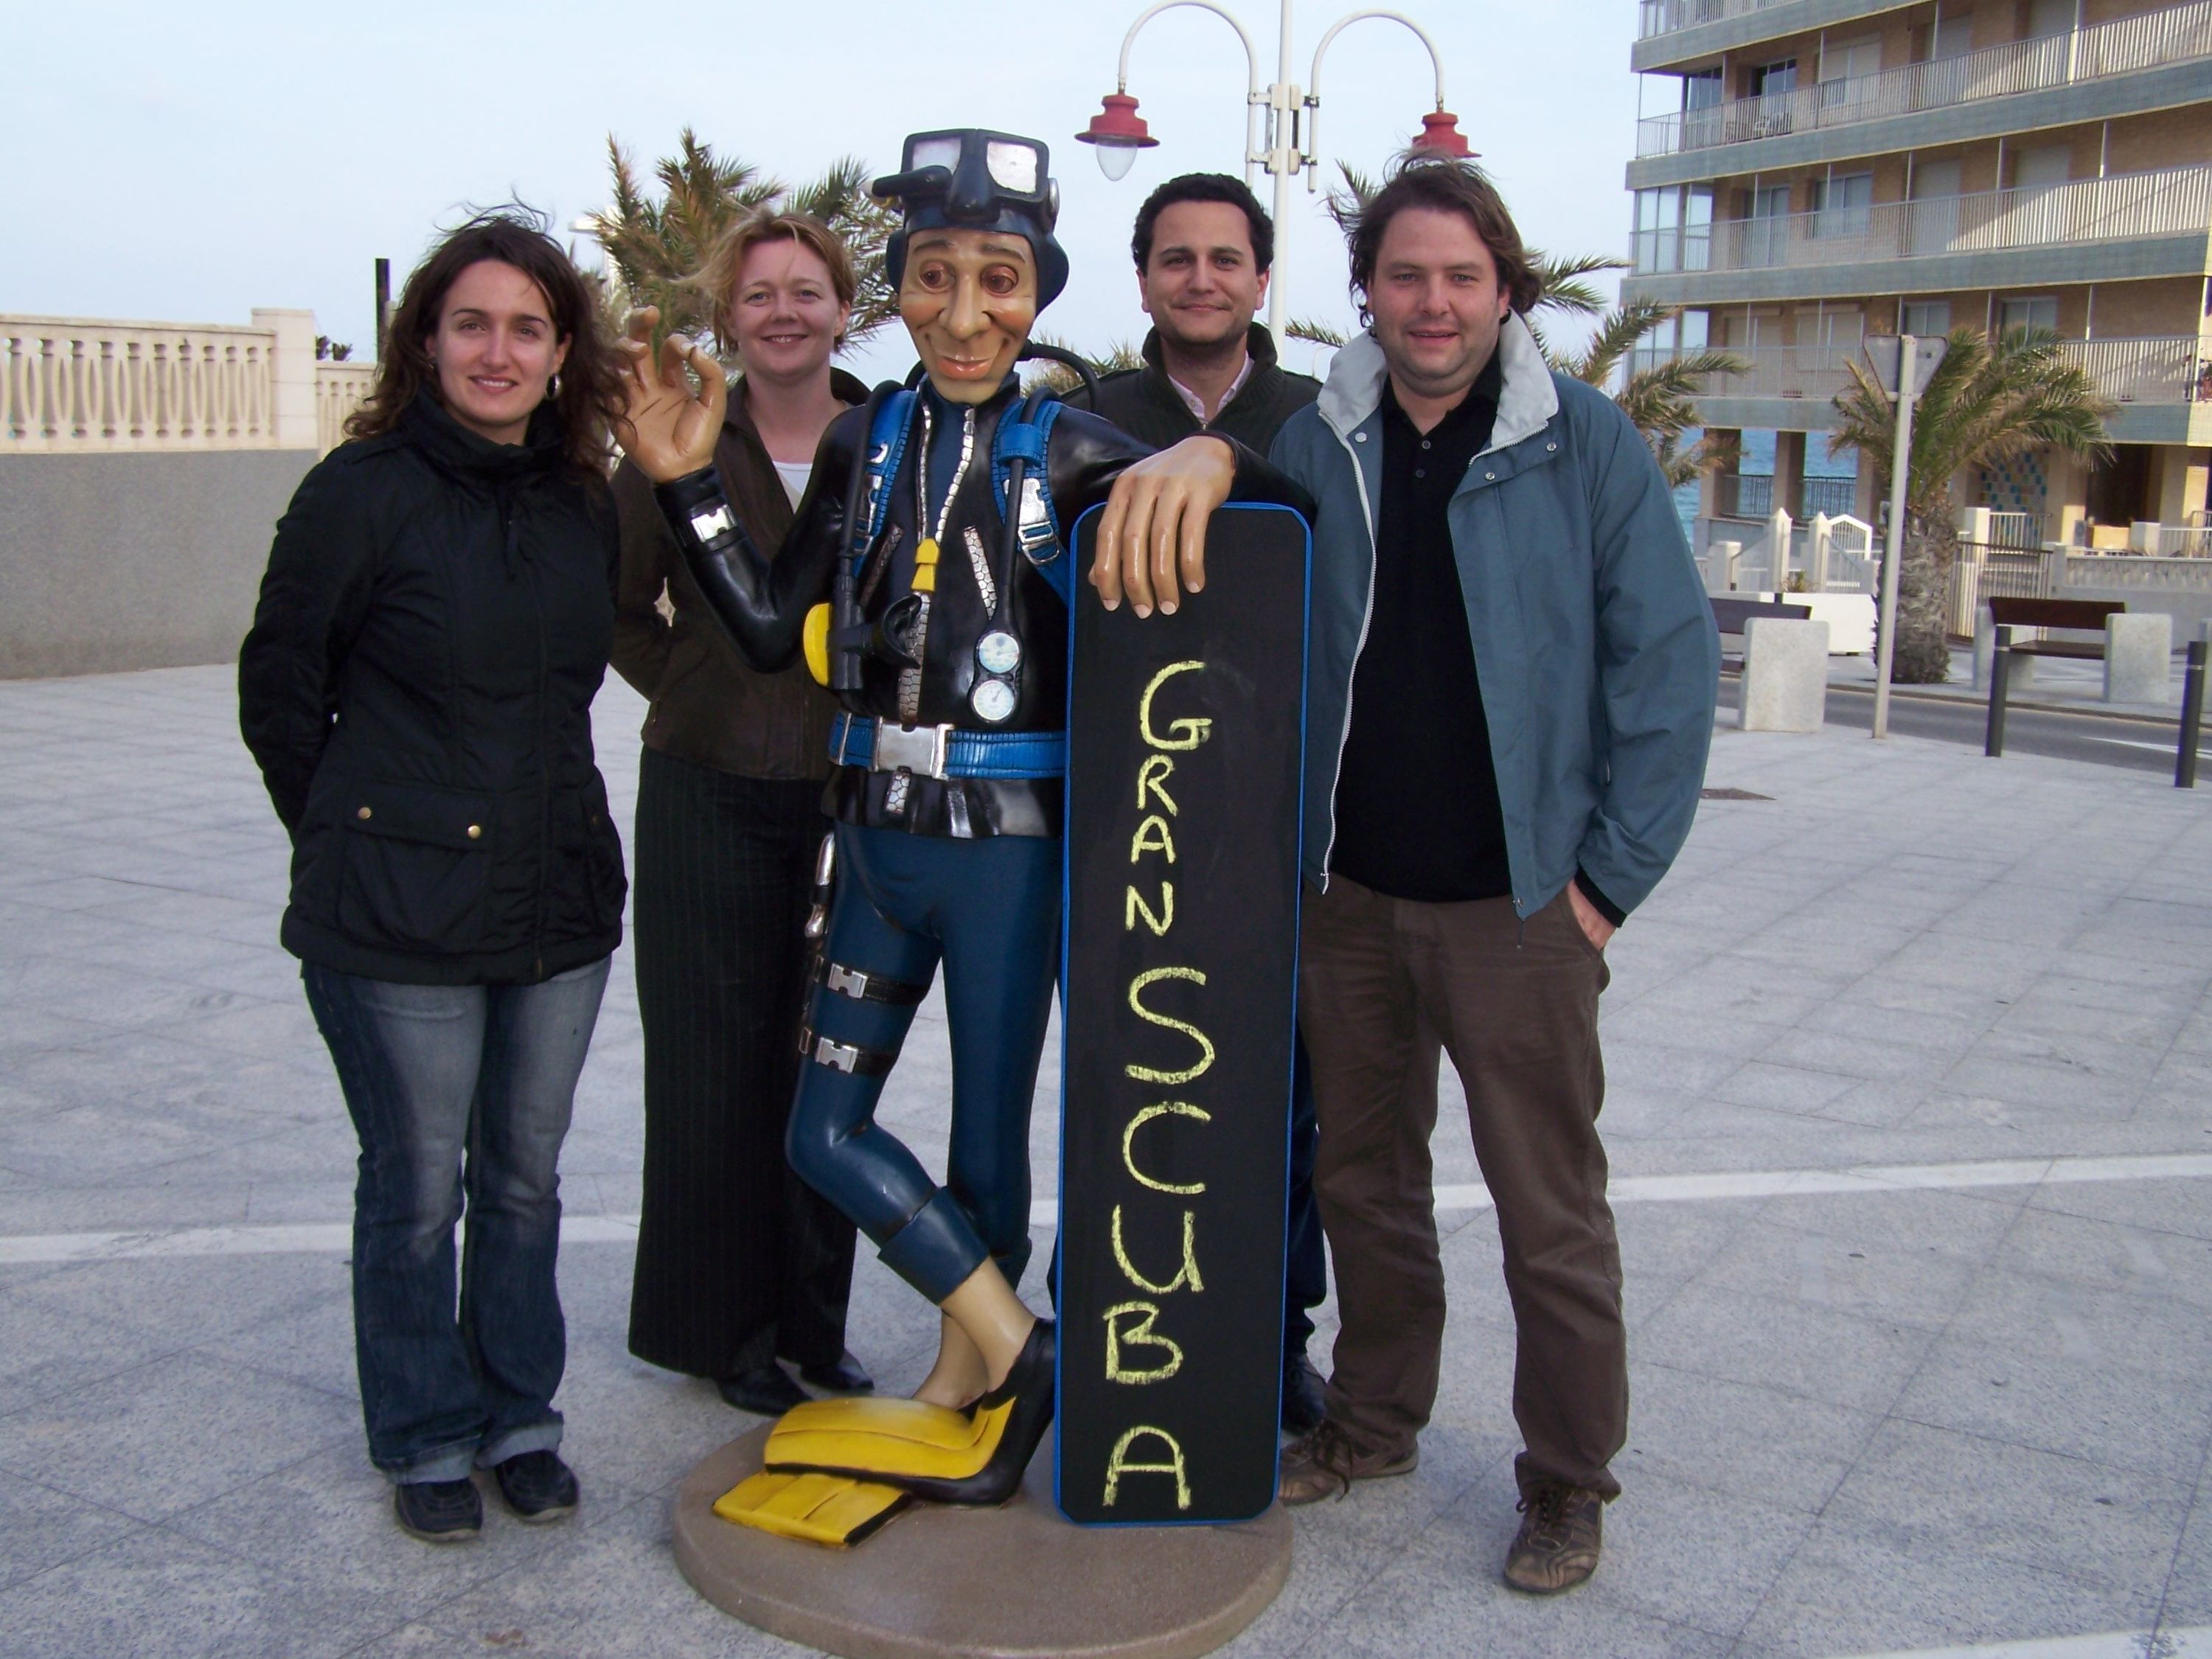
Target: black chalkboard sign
[1185,776]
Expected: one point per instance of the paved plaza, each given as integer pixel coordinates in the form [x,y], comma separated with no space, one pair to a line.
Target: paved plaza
[1910,1066]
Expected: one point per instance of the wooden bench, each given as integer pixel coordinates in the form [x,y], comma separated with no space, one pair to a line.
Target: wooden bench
[1730,615]
[2089,613]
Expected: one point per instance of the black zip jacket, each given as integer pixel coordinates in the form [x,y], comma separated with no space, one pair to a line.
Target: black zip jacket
[1144,403]
[417,687]
[763,602]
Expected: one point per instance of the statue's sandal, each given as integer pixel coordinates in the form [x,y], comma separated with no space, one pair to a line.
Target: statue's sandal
[852,1461]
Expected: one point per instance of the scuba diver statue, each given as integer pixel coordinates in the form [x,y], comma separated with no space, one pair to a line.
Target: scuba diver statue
[928,578]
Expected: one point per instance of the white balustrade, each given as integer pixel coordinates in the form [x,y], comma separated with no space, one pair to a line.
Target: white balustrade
[339,389]
[72,384]
[66,384]
[2171,34]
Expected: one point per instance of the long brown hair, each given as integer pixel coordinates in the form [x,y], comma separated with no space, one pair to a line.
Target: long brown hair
[1446,185]
[587,395]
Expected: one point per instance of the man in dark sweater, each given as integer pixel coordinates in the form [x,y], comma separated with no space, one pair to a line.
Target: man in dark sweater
[1203,245]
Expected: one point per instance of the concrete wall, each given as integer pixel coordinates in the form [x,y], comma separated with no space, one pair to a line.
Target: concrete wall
[117,562]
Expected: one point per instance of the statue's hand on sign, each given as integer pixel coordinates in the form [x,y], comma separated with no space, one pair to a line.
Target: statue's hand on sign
[668,428]
[1153,529]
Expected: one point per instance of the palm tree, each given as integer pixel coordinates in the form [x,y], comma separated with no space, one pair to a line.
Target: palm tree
[1987,402]
[653,247]
[1658,397]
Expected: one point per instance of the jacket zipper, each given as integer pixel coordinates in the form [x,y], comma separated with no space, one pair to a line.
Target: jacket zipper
[544,742]
[1367,620]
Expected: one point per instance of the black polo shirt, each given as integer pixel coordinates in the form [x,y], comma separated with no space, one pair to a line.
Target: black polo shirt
[1416,810]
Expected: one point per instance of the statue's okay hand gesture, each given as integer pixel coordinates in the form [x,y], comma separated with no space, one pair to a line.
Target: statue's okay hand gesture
[665,427]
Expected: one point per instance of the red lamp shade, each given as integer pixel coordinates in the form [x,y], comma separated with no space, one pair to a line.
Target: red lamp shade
[1439,134]
[1119,124]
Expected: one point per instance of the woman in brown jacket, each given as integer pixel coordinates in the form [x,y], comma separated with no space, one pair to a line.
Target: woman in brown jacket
[739,1263]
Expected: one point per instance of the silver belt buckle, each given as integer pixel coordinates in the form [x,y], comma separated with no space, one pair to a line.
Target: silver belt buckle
[916,749]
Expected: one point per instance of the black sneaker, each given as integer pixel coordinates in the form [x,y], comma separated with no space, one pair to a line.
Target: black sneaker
[439,1511]
[536,1486]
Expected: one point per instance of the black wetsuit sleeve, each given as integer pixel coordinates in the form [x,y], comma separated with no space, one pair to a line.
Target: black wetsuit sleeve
[1088,453]
[761,601]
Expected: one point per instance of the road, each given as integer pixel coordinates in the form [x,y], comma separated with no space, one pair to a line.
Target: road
[2100,739]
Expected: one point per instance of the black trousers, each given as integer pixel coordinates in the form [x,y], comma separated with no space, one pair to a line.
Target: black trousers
[739,1260]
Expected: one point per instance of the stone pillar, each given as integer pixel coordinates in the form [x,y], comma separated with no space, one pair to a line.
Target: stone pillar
[292,411]
[2138,657]
[1816,556]
[1778,531]
[1789,472]
[1785,675]
[1720,565]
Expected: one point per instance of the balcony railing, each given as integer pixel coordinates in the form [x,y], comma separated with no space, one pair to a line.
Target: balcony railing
[1812,372]
[2156,369]
[1665,16]
[2171,201]
[1751,495]
[2168,369]
[2172,34]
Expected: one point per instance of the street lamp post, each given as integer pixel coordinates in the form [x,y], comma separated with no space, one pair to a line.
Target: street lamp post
[1903,364]
[1292,121]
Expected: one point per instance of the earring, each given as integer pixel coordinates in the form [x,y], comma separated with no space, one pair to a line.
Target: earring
[553,385]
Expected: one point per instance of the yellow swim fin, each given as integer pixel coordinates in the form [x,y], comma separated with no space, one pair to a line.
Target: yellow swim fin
[894,1440]
[818,1508]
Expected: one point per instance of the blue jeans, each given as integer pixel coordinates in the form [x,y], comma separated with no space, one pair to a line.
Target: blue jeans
[457,1091]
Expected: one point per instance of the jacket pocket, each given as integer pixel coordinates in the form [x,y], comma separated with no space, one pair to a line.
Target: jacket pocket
[603,863]
[416,870]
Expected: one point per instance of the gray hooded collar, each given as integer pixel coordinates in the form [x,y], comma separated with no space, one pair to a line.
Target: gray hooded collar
[1526,402]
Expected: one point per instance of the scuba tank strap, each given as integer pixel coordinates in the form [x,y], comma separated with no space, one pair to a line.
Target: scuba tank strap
[1025,435]
[890,421]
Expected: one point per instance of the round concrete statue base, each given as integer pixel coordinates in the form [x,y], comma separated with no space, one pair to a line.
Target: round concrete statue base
[1018,1580]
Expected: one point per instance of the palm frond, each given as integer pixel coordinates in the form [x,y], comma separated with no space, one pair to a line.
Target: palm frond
[1314,329]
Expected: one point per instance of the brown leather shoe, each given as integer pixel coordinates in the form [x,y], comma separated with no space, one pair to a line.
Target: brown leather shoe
[1322,1464]
[1558,1545]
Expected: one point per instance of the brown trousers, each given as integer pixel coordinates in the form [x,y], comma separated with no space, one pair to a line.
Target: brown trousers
[1381,980]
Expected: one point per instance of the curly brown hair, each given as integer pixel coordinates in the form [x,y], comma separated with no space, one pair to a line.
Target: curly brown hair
[587,393]
[1444,184]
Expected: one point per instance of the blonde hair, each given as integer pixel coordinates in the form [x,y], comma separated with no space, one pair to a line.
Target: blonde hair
[717,276]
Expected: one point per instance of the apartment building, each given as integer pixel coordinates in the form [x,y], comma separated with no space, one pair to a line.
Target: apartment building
[1823,170]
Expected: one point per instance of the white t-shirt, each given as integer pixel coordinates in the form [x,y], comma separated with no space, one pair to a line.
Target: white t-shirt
[794,475]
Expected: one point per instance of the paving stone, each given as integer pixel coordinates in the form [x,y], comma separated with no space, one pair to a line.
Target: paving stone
[1816,1440]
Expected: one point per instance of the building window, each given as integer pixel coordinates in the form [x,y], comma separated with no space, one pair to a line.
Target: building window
[1924,318]
[1843,204]
[2046,167]
[1846,67]
[2040,311]
[1771,79]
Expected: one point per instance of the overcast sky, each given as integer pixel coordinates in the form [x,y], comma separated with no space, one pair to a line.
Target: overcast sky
[187,163]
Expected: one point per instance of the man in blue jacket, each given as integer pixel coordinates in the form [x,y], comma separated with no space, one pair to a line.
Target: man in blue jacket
[1512,674]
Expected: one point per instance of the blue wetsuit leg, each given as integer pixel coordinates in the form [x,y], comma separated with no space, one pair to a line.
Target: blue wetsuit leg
[992,907]
[1001,937]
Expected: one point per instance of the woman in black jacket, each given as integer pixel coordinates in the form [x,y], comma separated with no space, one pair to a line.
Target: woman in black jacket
[416,688]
